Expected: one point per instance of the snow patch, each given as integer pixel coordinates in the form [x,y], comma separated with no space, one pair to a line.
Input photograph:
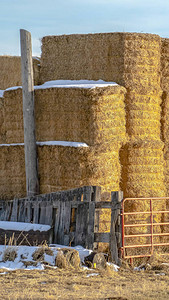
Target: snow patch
[82,84]
[51,143]
[5,225]
[1,93]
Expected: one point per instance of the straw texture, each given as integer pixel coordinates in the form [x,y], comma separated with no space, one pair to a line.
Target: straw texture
[94,116]
[143,169]
[60,168]
[10,75]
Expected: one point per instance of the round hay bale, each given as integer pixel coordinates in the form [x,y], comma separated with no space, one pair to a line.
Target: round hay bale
[67,258]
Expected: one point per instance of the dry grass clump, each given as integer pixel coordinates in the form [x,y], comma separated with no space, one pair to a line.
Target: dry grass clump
[67,258]
[38,255]
[10,254]
[11,71]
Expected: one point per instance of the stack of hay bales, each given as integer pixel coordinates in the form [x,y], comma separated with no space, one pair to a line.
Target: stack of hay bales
[145,165]
[10,67]
[165,105]
[92,116]
[130,59]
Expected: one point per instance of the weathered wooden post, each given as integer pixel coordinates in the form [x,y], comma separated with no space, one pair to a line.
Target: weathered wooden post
[32,184]
[116,226]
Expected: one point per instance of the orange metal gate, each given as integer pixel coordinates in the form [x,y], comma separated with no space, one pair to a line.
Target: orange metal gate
[145,227]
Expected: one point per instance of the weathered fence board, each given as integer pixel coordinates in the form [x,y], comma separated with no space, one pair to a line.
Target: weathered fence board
[73,216]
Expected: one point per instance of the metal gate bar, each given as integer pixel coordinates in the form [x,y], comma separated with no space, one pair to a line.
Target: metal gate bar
[150,224]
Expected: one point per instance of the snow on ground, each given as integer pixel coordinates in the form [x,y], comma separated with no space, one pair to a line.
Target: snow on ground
[24,258]
[82,84]
[1,93]
[24,254]
[5,225]
[51,143]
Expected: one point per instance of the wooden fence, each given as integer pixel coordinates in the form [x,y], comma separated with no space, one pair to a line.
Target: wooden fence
[73,216]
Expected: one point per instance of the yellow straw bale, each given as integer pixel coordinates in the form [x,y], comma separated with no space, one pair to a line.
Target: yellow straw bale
[92,116]
[60,168]
[130,59]
[93,56]
[143,169]
[143,116]
[12,172]
[11,71]
[68,167]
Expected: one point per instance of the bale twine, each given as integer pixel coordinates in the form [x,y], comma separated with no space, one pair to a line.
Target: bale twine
[11,71]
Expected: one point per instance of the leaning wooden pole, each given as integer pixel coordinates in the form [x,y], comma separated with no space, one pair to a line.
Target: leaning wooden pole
[32,183]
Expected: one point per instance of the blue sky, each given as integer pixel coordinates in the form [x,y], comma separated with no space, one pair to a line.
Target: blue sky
[55,17]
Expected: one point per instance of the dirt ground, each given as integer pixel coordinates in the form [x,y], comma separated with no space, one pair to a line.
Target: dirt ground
[76,284]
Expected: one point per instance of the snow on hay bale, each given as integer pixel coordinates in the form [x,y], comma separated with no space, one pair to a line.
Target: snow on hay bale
[92,116]
[10,67]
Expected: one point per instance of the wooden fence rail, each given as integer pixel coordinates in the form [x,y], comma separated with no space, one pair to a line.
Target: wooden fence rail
[73,215]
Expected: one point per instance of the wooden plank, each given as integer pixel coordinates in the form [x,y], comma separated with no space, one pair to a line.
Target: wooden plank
[90,234]
[14,215]
[102,237]
[42,213]
[21,213]
[116,198]
[96,195]
[87,193]
[103,204]
[31,168]
[67,219]
[49,215]
[60,234]
[36,212]
[81,224]
[56,222]
[28,214]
